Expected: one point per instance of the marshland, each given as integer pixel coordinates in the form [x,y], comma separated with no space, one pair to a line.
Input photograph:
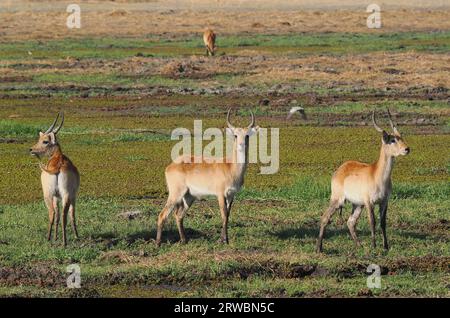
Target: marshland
[136,71]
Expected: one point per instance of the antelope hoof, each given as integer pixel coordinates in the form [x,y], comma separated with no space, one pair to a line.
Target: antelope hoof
[223,240]
[319,247]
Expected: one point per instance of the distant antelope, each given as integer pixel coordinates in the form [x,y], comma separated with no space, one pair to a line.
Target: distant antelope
[187,180]
[365,185]
[209,38]
[60,180]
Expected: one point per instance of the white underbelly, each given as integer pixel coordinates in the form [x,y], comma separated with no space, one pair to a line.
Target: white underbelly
[50,184]
[355,192]
[199,191]
[354,198]
[360,193]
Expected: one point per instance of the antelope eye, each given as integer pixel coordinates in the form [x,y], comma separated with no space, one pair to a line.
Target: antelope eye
[393,141]
[45,142]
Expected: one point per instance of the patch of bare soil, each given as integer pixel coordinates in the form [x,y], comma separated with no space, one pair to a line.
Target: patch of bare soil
[438,226]
[42,275]
[188,69]
[15,79]
[427,263]
[275,269]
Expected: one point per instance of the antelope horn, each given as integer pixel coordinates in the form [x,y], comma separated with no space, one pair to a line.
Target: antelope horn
[393,126]
[55,131]
[228,119]
[252,124]
[375,124]
[52,126]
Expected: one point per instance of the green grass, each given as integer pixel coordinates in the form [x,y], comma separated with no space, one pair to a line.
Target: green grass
[12,128]
[114,252]
[332,43]
[117,134]
[350,107]
[47,72]
[127,137]
[273,226]
[107,79]
[95,79]
[9,128]
[113,139]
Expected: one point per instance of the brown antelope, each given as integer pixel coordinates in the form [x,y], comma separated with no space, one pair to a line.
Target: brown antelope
[364,185]
[188,180]
[209,38]
[60,180]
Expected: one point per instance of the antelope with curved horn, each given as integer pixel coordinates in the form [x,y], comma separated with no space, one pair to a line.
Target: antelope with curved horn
[364,185]
[209,38]
[60,180]
[188,179]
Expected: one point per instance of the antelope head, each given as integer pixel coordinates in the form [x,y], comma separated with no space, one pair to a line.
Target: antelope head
[241,135]
[47,140]
[393,143]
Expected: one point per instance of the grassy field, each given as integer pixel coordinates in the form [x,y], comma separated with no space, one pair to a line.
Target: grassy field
[122,97]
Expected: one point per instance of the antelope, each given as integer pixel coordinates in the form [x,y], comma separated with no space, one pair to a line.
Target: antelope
[364,185]
[59,178]
[188,180]
[209,38]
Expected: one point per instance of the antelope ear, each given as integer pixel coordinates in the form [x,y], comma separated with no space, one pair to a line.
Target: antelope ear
[385,137]
[229,131]
[253,130]
[397,133]
[52,138]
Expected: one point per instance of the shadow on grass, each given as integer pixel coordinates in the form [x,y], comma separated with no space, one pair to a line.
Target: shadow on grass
[302,232]
[421,236]
[103,236]
[308,232]
[168,236]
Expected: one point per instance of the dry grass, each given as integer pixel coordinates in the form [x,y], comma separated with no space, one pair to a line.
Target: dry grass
[372,70]
[119,22]
[399,71]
